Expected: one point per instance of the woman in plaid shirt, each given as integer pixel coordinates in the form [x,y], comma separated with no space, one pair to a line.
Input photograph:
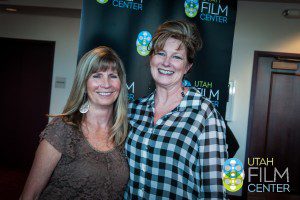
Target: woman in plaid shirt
[176,146]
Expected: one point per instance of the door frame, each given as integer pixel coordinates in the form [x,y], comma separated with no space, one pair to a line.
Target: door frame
[257,55]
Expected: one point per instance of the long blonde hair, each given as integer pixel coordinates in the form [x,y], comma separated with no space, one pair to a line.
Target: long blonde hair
[101,58]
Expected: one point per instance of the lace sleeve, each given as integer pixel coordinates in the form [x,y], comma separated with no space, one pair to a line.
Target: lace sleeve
[56,134]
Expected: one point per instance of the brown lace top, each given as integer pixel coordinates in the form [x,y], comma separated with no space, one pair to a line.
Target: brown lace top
[83,172]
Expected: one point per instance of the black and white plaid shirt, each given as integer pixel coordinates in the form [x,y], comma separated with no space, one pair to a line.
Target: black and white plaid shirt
[179,157]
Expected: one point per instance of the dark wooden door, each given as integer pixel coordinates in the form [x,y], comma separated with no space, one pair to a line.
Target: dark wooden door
[26,74]
[274,121]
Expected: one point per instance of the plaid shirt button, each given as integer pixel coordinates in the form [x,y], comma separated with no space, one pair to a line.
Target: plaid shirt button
[143,168]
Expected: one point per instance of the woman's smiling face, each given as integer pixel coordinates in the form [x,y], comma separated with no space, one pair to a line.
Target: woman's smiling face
[103,88]
[169,65]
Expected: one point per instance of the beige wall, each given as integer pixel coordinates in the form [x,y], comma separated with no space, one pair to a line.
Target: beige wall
[259,26]
[64,31]
[74,4]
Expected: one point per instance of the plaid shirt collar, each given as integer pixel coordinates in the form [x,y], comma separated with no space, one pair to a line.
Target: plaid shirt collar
[186,102]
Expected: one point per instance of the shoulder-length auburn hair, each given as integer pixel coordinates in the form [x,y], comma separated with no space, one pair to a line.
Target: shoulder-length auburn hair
[184,31]
[101,58]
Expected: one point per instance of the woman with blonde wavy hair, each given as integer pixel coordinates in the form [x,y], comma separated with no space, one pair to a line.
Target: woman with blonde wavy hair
[80,155]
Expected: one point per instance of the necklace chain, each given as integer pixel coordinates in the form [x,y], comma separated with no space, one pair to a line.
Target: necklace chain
[94,143]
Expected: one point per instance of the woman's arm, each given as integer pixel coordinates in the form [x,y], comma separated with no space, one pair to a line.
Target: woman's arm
[46,159]
[213,153]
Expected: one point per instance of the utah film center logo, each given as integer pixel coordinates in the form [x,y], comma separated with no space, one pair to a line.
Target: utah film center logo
[102,1]
[210,10]
[128,4]
[143,43]
[233,174]
[191,7]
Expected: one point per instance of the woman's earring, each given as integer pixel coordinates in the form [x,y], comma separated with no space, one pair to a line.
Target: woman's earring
[84,108]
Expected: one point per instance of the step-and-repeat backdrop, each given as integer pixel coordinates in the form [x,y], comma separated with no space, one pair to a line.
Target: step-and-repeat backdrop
[128,26]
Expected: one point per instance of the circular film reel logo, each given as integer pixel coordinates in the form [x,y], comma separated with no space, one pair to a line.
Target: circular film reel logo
[143,43]
[102,1]
[191,7]
[233,174]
